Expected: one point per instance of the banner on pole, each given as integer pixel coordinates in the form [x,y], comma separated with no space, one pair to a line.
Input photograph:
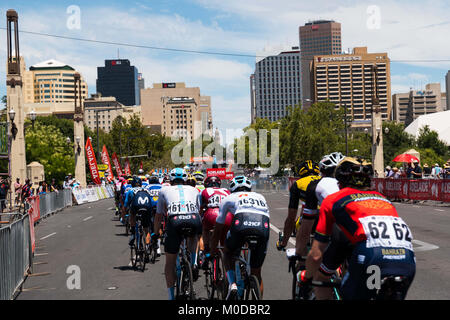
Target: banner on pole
[127,167]
[116,163]
[106,160]
[90,154]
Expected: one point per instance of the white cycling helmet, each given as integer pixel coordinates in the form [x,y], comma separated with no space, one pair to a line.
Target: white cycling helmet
[330,161]
[240,181]
[178,173]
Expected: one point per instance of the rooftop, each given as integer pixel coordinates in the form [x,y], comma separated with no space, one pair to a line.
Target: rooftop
[51,64]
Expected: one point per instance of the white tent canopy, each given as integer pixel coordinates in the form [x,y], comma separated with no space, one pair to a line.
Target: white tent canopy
[438,121]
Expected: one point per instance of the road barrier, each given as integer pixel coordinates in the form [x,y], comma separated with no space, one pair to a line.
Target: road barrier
[54,201]
[92,194]
[16,256]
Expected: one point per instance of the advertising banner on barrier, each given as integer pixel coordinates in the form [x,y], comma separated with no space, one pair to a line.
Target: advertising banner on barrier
[90,154]
[116,163]
[218,172]
[106,160]
[34,215]
[417,189]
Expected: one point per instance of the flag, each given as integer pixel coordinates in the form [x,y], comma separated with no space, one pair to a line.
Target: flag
[127,167]
[90,154]
[117,164]
[106,160]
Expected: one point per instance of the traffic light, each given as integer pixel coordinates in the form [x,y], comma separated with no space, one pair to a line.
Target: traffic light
[149,154]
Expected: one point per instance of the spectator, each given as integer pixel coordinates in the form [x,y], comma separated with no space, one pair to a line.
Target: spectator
[18,191]
[426,171]
[396,173]
[4,187]
[436,172]
[446,171]
[66,184]
[409,170]
[417,171]
[53,186]
[70,179]
[26,190]
[42,187]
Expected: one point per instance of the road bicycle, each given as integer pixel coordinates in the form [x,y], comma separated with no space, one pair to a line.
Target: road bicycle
[185,283]
[139,253]
[215,276]
[248,284]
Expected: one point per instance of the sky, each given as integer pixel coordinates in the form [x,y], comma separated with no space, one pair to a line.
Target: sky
[406,30]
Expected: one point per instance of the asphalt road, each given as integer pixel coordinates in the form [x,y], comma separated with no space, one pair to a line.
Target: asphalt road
[90,238]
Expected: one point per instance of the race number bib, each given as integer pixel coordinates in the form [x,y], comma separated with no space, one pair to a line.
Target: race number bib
[154,192]
[215,200]
[386,231]
[182,208]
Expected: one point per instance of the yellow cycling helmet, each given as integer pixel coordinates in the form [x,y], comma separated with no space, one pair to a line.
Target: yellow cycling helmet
[308,168]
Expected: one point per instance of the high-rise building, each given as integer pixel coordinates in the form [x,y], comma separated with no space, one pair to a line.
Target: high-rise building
[321,37]
[275,85]
[119,79]
[447,89]
[347,80]
[50,81]
[409,106]
[171,107]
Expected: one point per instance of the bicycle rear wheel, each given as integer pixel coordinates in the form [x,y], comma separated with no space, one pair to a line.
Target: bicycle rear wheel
[185,288]
[220,283]
[209,281]
[252,290]
[133,256]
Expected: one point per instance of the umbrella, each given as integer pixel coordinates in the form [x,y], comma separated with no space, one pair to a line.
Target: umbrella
[405,157]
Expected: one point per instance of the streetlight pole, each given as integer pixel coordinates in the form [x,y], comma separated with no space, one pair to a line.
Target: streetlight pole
[345,123]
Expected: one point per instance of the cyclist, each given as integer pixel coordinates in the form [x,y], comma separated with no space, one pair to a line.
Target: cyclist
[370,221]
[250,217]
[303,189]
[180,203]
[126,186]
[154,187]
[138,199]
[199,177]
[191,181]
[210,200]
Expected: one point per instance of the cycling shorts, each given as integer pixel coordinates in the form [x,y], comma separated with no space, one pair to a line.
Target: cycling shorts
[175,225]
[147,215]
[210,216]
[391,262]
[249,224]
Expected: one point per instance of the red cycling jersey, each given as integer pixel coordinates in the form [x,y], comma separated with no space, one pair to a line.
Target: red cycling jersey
[362,216]
[211,199]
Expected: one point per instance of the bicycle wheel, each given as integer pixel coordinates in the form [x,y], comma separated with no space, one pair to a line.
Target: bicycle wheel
[209,281]
[133,256]
[141,252]
[220,283]
[252,290]
[186,282]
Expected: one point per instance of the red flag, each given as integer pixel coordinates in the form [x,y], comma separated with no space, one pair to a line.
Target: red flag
[90,155]
[117,164]
[106,160]
[142,167]
[127,167]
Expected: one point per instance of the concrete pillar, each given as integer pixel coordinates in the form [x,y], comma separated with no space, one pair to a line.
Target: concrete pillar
[377,144]
[78,132]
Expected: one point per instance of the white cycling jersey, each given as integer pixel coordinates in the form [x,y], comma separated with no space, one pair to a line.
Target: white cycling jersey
[179,199]
[245,202]
[325,187]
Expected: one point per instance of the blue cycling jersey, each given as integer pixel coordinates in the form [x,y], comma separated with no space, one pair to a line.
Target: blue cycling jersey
[154,190]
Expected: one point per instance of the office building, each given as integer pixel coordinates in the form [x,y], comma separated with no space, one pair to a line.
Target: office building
[50,82]
[408,106]
[320,37]
[275,85]
[119,79]
[347,80]
[168,107]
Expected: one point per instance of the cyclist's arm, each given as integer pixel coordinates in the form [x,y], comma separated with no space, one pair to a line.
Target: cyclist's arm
[161,209]
[308,216]
[289,223]
[225,207]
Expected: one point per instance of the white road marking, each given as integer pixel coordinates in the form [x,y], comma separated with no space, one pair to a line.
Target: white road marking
[48,236]
[88,218]
[439,210]
[424,246]
[277,231]
[40,254]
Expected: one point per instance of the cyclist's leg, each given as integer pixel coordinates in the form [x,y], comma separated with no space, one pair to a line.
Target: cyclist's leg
[303,234]
[171,248]
[258,254]
[335,255]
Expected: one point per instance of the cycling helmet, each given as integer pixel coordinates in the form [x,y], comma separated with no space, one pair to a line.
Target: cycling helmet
[308,168]
[199,176]
[153,180]
[212,181]
[240,182]
[191,181]
[329,162]
[355,172]
[178,174]
[136,182]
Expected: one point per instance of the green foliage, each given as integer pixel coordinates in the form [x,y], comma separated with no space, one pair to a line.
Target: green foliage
[47,145]
[396,141]
[429,139]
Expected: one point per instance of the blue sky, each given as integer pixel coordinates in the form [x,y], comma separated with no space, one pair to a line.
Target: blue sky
[412,30]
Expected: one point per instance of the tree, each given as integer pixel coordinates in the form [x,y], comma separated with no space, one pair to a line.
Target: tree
[396,141]
[429,139]
[47,145]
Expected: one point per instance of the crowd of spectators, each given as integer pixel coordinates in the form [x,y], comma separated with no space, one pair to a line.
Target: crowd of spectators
[414,170]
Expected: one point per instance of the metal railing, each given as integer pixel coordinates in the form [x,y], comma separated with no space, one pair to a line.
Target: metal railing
[54,201]
[15,256]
